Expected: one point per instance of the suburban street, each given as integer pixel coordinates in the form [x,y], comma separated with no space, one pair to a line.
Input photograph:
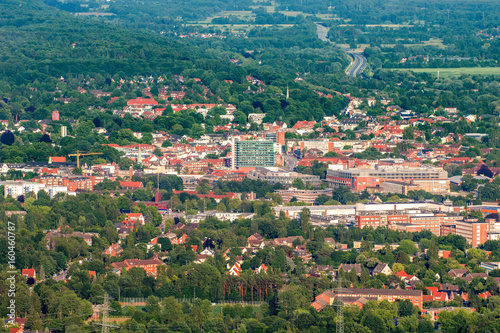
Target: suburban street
[290,161]
[359,61]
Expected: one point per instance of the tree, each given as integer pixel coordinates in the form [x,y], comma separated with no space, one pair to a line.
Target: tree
[408,246]
[158,152]
[7,138]
[165,243]
[45,138]
[166,144]
[405,308]
[305,213]
[298,184]
[468,183]
[484,170]
[374,322]
[397,267]
[408,134]
[331,154]
[425,326]
[142,194]
[125,163]
[343,195]
[221,207]
[33,321]
[402,258]
[291,298]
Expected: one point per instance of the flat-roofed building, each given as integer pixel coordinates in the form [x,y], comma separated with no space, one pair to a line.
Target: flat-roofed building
[307,196]
[475,232]
[326,210]
[274,175]
[252,153]
[16,188]
[489,266]
[392,186]
[380,219]
[431,179]
[408,220]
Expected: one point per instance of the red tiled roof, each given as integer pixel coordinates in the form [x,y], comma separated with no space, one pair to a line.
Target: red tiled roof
[142,101]
[131,184]
[29,272]
[57,159]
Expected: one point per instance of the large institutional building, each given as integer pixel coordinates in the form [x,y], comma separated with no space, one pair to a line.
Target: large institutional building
[274,175]
[433,180]
[441,220]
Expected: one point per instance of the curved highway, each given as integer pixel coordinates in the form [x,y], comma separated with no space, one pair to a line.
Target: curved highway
[359,62]
[358,65]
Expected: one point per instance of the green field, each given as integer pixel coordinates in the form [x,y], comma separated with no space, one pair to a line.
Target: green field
[433,41]
[446,72]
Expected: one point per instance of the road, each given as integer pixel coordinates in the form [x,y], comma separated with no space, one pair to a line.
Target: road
[322,32]
[358,65]
[290,161]
[359,61]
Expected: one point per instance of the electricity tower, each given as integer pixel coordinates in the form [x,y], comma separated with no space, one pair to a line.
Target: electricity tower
[340,306]
[105,316]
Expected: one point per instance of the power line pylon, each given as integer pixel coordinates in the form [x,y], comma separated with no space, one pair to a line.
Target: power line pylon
[105,316]
[340,306]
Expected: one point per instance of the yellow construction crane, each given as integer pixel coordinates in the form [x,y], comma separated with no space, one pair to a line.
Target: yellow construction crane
[78,154]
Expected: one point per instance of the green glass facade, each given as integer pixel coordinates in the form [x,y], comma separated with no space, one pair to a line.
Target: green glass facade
[253,154]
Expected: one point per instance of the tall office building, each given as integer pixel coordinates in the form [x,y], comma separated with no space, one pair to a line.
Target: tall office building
[252,153]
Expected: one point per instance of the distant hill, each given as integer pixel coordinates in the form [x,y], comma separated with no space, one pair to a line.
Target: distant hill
[38,40]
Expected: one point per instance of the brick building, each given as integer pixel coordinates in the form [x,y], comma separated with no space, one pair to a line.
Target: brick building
[72,183]
[149,265]
[476,233]
[354,295]
[434,180]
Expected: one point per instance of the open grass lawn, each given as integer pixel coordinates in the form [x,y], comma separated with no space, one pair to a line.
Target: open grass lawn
[446,72]
[360,48]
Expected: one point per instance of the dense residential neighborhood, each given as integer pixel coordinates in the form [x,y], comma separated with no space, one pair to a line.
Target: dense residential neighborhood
[249,166]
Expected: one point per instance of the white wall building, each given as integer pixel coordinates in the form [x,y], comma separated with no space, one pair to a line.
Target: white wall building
[16,189]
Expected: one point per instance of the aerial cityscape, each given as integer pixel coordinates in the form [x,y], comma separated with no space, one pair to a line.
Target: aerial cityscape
[249,166]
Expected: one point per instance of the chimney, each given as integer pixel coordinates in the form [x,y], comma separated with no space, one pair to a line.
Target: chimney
[130,172]
[157,196]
